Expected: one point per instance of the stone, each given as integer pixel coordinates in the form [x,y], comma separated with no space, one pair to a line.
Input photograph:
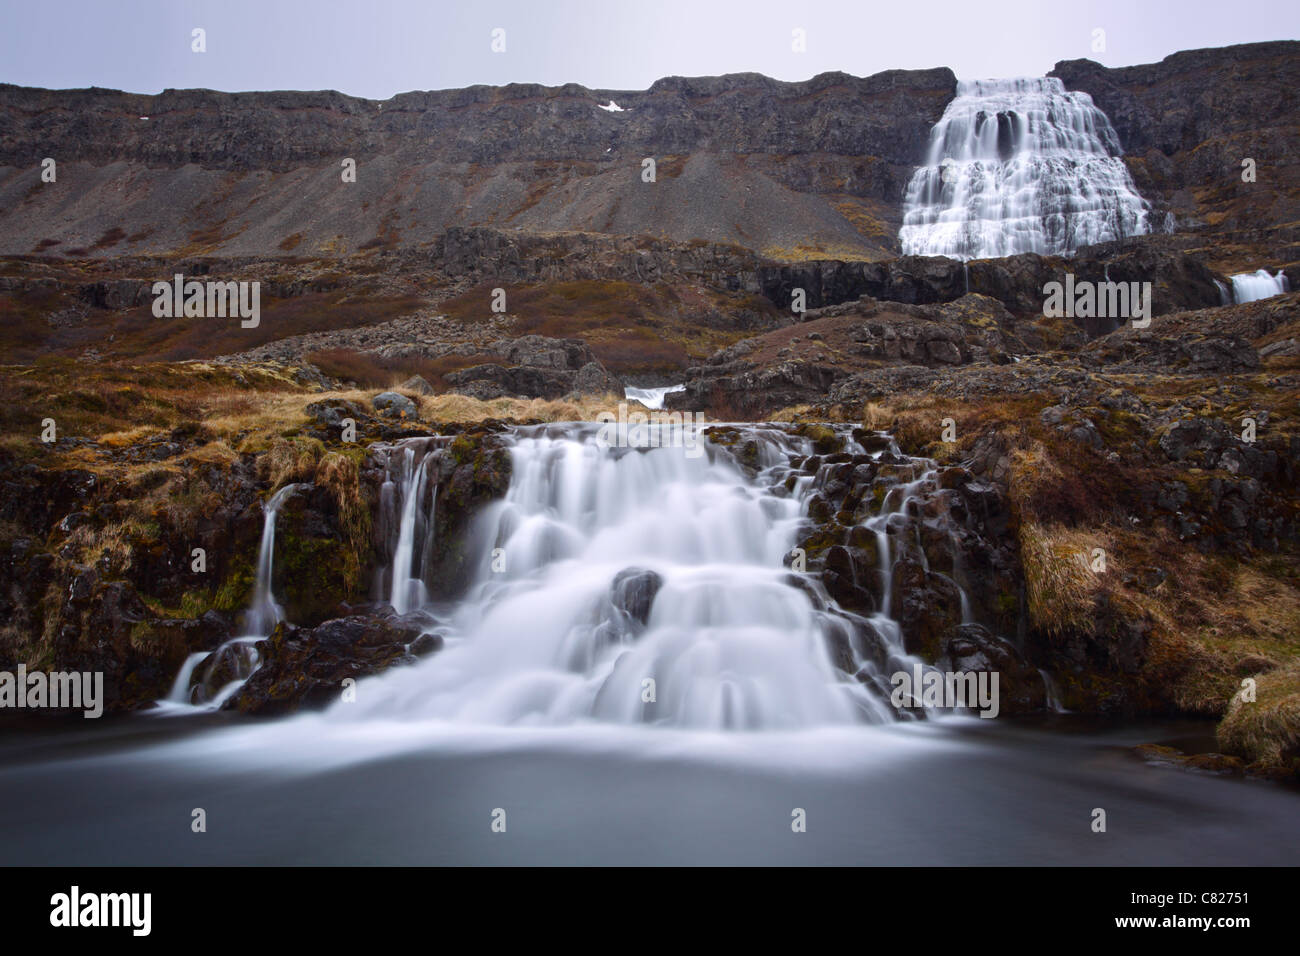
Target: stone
[395,405]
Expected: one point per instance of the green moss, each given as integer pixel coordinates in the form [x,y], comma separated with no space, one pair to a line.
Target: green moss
[1007,604]
[723,435]
[1117,426]
[195,603]
[817,543]
[237,588]
[462,449]
[312,575]
[823,437]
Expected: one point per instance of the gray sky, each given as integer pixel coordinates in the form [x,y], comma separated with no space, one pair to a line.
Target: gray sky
[376,48]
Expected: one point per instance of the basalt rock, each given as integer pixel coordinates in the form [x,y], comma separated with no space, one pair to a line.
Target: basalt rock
[1179,281]
[522,156]
[742,390]
[1189,120]
[544,368]
[633,592]
[395,405]
[973,648]
[306,667]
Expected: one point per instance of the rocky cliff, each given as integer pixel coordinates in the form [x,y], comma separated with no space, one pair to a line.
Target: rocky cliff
[792,170]
[1187,124]
[739,158]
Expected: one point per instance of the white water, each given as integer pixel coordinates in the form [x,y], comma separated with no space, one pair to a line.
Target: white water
[416,494]
[732,641]
[1249,286]
[651,397]
[239,654]
[545,634]
[1019,165]
[1053,693]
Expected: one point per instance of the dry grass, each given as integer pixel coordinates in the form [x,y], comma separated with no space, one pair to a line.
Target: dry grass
[792,413]
[135,334]
[806,252]
[341,476]
[238,410]
[288,460]
[631,327]
[1060,585]
[876,416]
[461,408]
[1267,730]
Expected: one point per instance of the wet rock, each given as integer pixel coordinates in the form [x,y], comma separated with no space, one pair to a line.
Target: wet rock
[850,575]
[926,605]
[1212,763]
[426,644]
[972,647]
[474,471]
[306,667]
[633,592]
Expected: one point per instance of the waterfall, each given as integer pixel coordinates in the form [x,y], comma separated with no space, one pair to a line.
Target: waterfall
[411,492]
[622,585]
[233,662]
[630,586]
[1249,286]
[1015,166]
[651,397]
[1052,693]
[265,613]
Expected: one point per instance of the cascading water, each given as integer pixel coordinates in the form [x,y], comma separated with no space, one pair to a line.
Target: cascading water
[230,665]
[1249,286]
[408,497]
[651,397]
[607,568]
[1019,165]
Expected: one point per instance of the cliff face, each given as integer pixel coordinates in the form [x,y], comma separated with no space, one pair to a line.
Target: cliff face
[1188,122]
[740,158]
[790,170]
[886,115]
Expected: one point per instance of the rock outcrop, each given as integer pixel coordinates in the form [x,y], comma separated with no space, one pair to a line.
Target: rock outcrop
[828,151]
[539,367]
[1179,281]
[1189,123]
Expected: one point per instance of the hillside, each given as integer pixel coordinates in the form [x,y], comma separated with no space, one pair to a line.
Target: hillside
[790,170]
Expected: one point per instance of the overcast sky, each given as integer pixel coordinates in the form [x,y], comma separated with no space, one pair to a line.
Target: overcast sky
[376,48]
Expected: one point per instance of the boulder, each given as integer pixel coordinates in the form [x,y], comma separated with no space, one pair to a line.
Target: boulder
[395,405]
[417,384]
[633,592]
[305,667]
